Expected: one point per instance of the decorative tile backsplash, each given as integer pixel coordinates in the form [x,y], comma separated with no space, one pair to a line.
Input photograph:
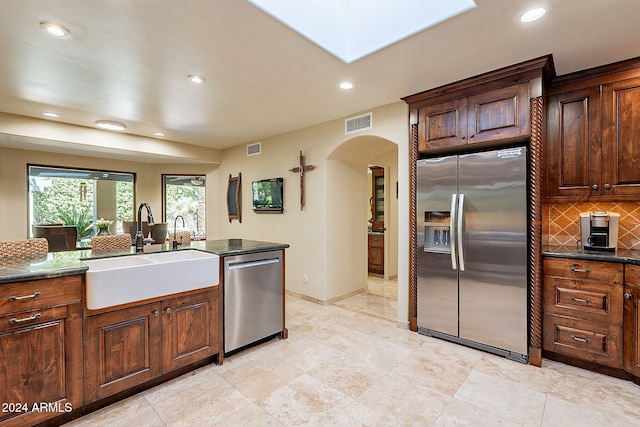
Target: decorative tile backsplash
[561,222]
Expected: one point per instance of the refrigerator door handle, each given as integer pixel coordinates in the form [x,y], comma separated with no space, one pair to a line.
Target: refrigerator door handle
[453,233]
[459,231]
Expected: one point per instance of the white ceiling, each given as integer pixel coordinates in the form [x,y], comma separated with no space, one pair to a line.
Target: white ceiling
[128,61]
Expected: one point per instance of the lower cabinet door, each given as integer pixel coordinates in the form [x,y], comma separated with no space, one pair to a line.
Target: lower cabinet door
[632,330]
[40,364]
[189,332]
[122,349]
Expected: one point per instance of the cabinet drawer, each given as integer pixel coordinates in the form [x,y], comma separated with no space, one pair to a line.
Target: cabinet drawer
[34,294]
[586,300]
[591,341]
[632,275]
[31,317]
[608,272]
[376,240]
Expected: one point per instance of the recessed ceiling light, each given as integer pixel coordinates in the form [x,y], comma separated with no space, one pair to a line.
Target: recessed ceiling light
[158,134]
[533,14]
[110,125]
[50,114]
[196,79]
[55,30]
[346,85]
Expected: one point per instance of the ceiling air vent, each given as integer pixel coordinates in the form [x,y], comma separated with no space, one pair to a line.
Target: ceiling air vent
[254,149]
[356,124]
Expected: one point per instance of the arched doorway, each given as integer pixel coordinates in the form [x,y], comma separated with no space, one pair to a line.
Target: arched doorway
[348,211]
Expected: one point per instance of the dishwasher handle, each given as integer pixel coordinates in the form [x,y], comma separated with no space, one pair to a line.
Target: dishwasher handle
[247,264]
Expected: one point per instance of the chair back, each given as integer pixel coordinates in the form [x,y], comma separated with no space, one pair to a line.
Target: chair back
[27,248]
[131,227]
[106,243]
[159,232]
[183,237]
[60,237]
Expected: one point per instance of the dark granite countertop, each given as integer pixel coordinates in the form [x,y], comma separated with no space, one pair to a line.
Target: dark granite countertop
[57,264]
[627,256]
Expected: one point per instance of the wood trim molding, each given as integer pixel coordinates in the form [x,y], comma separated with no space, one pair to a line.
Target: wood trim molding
[413,231]
[524,71]
[535,232]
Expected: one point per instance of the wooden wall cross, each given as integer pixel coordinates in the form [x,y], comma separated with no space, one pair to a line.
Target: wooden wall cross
[300,170]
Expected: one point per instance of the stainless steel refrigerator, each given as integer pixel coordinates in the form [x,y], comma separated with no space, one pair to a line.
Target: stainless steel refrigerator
[472,250]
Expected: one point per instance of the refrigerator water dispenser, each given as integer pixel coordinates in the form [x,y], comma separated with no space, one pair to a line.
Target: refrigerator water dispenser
[437,232]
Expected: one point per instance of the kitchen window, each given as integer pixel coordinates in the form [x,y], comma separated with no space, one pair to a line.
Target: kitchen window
[79,197]
[184,195]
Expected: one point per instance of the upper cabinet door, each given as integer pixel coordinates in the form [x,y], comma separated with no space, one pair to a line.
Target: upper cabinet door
[573,153]
[442,125]
[621,137]
[499,114]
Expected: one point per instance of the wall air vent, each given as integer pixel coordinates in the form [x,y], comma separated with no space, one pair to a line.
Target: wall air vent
[254,149]
[359,123]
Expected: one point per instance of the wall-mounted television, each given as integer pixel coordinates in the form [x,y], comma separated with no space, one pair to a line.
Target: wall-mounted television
[268,195]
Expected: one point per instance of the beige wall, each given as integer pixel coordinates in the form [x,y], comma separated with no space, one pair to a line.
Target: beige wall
[327,254]
[14,186]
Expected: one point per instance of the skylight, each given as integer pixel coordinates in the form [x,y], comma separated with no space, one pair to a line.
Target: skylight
[352,29]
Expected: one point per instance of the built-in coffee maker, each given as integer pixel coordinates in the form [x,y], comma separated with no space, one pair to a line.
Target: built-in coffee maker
[599,231]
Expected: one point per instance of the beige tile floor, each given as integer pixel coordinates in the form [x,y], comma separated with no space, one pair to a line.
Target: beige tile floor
[341,367]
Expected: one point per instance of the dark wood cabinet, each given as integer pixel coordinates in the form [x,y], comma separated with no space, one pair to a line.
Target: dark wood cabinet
[40,343]
[573,144]
[593,128]
[133,345]
[189,329]
[632,320]
[499,114]
[122,350]
[583,314]
[376,253]
[494,115]
[377,198]
[621,138]
[442,125]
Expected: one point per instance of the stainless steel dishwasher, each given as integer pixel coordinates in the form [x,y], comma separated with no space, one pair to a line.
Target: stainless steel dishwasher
[253,298]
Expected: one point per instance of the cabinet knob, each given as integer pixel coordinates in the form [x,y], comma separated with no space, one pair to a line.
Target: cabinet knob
[628,295]
[168,310]
[607,186]
[156,313]
[471,136]
[594,186]
[462,137]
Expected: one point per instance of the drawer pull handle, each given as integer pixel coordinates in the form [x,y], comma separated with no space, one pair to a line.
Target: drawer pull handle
[13,320]
[580,270]
[14,298]
[588,301]
[587,340]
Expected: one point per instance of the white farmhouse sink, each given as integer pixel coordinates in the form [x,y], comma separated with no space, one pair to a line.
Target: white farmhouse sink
[122,280]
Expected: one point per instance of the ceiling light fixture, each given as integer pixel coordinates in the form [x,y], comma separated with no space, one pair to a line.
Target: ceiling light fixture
[346,85]
[533,15]
[55,30]
[158,134]
[110,125]
[196,79]
[50,114]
